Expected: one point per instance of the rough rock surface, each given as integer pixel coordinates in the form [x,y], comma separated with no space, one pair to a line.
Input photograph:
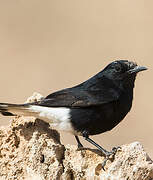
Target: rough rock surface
[30,149]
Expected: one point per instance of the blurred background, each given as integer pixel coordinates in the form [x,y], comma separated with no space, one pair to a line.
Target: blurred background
[50,45]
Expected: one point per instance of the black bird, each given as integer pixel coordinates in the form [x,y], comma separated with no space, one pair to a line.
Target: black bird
[92,107]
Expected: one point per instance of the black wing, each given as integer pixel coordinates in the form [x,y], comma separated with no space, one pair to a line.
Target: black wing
[97,90]
[79,98]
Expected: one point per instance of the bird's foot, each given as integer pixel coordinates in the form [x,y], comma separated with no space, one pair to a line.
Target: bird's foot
[108,155]
[80,146]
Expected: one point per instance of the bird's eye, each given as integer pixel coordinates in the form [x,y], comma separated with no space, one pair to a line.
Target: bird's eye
[118,68]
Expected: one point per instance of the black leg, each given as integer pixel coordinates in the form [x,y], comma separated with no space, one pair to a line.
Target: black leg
[78,141]
[106,153]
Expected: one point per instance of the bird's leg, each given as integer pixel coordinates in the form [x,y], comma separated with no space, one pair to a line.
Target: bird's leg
[106,153]
[78,141]
[86,136]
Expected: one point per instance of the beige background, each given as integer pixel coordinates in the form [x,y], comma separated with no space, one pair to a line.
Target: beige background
[49,45]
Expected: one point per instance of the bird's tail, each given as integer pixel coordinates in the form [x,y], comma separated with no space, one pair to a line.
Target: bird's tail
[57,116]
[7,109]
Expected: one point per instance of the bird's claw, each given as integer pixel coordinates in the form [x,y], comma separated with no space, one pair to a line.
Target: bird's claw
[115,149]
[80,147]
[108,154]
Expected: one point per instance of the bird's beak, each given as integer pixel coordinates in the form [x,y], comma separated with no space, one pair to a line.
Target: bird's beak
[137,69]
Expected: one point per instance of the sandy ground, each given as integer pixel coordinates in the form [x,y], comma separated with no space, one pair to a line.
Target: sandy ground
[49,45]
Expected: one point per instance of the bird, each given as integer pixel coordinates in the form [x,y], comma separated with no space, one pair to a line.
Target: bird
[93,107]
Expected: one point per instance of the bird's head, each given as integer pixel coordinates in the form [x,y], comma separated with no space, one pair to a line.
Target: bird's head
[123,71]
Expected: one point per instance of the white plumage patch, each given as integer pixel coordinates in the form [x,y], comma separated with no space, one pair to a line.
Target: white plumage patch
[58,117]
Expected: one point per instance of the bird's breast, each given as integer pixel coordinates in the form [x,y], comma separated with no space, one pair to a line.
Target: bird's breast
[99,119]
[124,103]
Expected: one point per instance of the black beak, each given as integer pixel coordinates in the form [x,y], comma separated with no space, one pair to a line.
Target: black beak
[137,69]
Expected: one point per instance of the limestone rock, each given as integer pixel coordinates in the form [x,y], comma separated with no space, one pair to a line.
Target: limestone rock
[34,98]
[130,162]
[30,149]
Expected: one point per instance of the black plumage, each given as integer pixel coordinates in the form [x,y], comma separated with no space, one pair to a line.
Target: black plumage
[100,103]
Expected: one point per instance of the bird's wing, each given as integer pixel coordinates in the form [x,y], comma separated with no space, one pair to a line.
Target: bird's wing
[82,98]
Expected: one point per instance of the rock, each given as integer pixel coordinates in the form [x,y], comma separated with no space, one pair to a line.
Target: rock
[34,98]
[130,162]
[31,150]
